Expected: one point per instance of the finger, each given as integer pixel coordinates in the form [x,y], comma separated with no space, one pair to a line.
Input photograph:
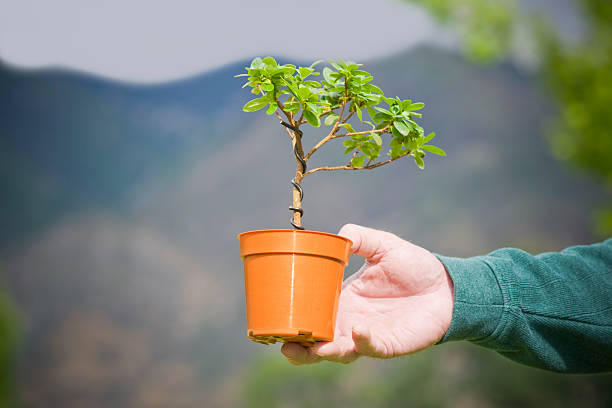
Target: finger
[298,355]
[366,344]
[367,242]
[340,351]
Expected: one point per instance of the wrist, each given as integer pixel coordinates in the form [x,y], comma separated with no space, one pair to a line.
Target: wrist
[477,299]
[448,288]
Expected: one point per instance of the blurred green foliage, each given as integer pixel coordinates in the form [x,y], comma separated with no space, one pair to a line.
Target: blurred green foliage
[578,73]
[485,26]
[9,338]
[454,374]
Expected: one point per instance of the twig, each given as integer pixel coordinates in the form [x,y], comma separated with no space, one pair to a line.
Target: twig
[329,136]
[365,132]
[325,113]
[353,158]
[366,167]
[348,116]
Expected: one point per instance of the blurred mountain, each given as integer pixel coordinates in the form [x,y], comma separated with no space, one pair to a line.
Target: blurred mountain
[69,141]
[121,205]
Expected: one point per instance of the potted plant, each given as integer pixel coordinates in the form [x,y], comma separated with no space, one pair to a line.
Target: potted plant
[293,277]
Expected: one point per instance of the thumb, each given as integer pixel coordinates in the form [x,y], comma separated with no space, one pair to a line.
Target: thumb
[365,344]
[367,242]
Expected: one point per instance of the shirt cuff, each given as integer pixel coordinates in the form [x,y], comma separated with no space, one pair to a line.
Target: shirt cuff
[478,305]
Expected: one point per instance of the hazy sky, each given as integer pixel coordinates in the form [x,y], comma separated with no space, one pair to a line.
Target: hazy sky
[152,41]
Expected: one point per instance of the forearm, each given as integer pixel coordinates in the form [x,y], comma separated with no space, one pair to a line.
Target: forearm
[552,311]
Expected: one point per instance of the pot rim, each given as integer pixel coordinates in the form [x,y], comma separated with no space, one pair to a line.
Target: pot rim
[297,232]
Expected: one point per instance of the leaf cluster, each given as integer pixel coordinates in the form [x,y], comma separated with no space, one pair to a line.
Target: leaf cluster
[344,90]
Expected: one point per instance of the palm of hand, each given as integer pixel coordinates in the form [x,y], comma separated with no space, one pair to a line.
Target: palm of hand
[399,302]
[388,310]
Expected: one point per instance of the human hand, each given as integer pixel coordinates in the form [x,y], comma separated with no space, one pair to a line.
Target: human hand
[399,302]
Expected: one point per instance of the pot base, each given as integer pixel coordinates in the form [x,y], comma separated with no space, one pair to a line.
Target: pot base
[305,338]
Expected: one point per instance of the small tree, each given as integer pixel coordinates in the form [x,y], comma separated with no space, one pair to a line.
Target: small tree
[345,92]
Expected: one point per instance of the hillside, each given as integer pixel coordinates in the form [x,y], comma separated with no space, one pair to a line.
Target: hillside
[70,142]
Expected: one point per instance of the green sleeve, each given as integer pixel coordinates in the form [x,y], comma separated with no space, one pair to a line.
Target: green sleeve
[552,311]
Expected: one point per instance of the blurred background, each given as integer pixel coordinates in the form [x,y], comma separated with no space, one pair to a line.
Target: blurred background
[127,169]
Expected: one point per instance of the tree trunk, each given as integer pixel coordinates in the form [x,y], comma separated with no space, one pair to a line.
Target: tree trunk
[299,175]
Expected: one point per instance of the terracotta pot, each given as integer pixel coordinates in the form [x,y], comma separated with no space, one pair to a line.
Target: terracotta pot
[292,284]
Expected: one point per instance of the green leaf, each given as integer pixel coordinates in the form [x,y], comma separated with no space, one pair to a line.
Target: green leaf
[304,72]
[348,127]
[336,66]
[257,63]
[358,161]
[383,110]
[372,99]
[371,112]
[312,84]
[270,61]
[381,118]
[429,137]
[285,70]
[411,145]
[292,107]
[419,162]
[376,138]
[373,88]
[396,133]
[401,127]
[415,106]
[406,104]
[316,63]
[240,75]
[331,119]
[349,143]
[272,108]
[315,108]
[396,151]
[303,93]
[327,75]
[434,149]
[267,87]
[358,111]
[372,150]
[293,89]
[312,118]
[366,150]
[255,104]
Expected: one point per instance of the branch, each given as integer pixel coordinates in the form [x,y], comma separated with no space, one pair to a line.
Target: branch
[353,158]
[329,136]
[365,132]
[325,113]
[366,167]
[348,117]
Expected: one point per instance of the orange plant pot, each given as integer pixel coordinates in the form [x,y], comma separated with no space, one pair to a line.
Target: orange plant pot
[292,284]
